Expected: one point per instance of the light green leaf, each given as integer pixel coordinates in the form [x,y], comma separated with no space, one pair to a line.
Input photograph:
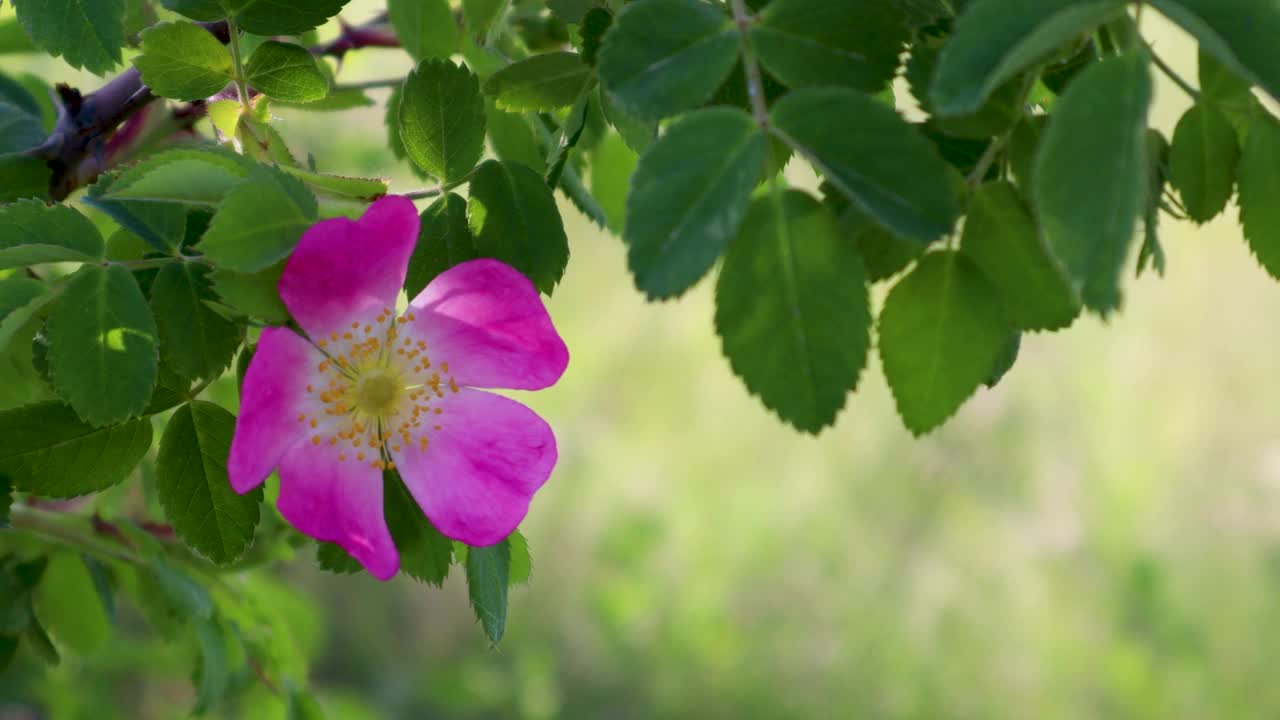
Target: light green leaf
[1259,179]
[192,484]
[426,28]
[286,71]
[488,573]
[68,605]
[1202,161]
[87,34]
[688,194]
[636,133]
[183,61]
[47,450]
[195,341]
[185,176]
[480,14]
[612,164]
[830,42]
[1088,208]
[541,83]
[212,674]
[32,233]
[260,222]
[253,294]
[513,140]
[873,156]
[102,345]
[444,240]
[792,309]
[521,561]
[425,554]
[514,218]
[442,119]
[1239,33]
[662,57]
[996,39]
[941,331]
[368,189]
[1001,237]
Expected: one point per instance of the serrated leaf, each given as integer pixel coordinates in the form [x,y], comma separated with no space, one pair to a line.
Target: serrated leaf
[102,345]
[941,331]
[1239,33]
[183,61]
[195,341]
[444,240]
[192,484]
[357,188]
[1001,237]
[331,557]
[1202,161]
[160,225]
[1008,356]
[513,217]
[886,168]
[87,34]
[47,450]
[426,28]
[68,605]
[253,294]
[688,195]
[792,310]
[996,39]
[425,554]
[285,17]
[521,560]
[662,57]
[830,42]
[183,176]
[513,140]
[32,233]
[260,222]
[488,573]
[636,133]
[541,83]
[1087,216]
[203,10]
[1222,86]
[442,119]
[287,72]
[1259,179]
[1152,252]
[1002,108]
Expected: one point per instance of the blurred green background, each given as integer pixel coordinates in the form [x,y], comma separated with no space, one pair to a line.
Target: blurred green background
[1098,537]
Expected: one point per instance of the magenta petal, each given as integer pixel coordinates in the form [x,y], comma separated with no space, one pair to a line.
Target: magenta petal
[272,396]
[488,322]
[479,472]
[338,501]
[345,270]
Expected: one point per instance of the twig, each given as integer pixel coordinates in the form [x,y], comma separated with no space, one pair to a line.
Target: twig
[369,84]
[751,69]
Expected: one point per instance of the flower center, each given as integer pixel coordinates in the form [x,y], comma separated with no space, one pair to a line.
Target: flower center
[378,392]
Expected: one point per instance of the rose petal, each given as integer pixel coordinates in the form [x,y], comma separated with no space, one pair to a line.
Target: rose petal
[481,469]
[274,393]
[487,321]
[345,270]
[338,501]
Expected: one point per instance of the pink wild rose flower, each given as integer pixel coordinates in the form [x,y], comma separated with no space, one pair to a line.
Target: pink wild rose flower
[371,390]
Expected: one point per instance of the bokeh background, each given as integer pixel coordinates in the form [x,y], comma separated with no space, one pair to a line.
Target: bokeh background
[1097,537]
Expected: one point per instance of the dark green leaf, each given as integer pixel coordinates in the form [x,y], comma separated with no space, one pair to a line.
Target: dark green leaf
[688,195]
[1002,108]
[284,17]
[19,128]
[662,57]
[212,676]
[830,42]
[1221,86]
[883,253]
[514,218]
[873,156]
[425,27]
[1001,237]
[260,222]
[443,241]
[253,294]
[32,233]
[595,24]
[331,557]
[160,225]
[941,331]
[6,500]
[46,449]
[204,10]
[1088,215]
[102,345]
[1152,252]
[541,83]
[1240,33]
[636,133]
[572,11]
[488,572]
[196,341]
[1202,161]
[183,61]
[1259,179]
[1008,356]
[287,72]
[23,177]
[86,33]
[792,310]
[425,554]
[442,119]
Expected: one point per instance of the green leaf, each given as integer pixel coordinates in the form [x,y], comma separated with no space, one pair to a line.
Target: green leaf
[14,41]
[285,17]
[196,341]
[331,557]
[830,42]
[185,176]
[183,61]
[160,225]
[442,119]
[6,501]
[1001,237]
[341,98]
[203,10]
[612,164]
[426,28]
[1088,214]
[299,705]
[521,561]
[68,604]
[425,554]
[19,129]
[996,39]
[286,71]
[1152,252]
[102,345]
[883,253]
[514,218]
[513,140]
[367,189]
[662,57]
[636,133]
[1202,161]
[595,23]
[792,309]
[541,83]
[23,177]
[572,11]
[1008,356]
[480,14]
[192,484]
[488,572]
[392,121]
[212,674]
[873,156]
[1003,107]
[1259,179]
[1239,33]
[32,233]
[941,331]
[87,34]
[253,294]
[47,450]
[260,222]
[444,240]
[1221,86]
[689,193]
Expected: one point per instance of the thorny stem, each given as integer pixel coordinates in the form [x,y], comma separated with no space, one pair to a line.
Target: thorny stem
[751,68]
[1173,75]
